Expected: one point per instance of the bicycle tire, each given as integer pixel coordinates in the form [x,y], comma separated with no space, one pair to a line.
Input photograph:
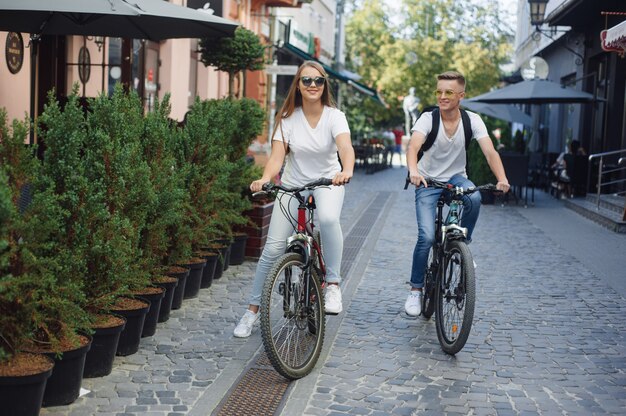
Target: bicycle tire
[455,298]
[292,336]
[430,278]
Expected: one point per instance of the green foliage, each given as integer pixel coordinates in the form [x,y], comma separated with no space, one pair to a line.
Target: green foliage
[36,303]
[243,51]
[428,37]
[165,228]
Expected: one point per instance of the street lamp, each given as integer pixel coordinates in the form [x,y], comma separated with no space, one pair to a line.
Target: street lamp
[537,11]
[537,16]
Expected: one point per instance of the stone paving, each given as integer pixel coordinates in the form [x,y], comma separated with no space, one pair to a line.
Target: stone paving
[548,335]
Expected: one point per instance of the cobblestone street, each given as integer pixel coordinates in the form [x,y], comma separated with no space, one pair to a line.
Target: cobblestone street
[548,335]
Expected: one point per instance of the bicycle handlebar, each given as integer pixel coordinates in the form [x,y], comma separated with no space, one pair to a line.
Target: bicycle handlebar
[270,187]
[459,190]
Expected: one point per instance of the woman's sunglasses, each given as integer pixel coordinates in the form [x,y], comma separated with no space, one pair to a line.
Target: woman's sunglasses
[307,81]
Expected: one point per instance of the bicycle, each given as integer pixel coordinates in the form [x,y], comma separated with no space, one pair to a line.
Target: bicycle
[293,320]
[449,280]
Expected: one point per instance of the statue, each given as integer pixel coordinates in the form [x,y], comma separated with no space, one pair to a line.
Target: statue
[409,105]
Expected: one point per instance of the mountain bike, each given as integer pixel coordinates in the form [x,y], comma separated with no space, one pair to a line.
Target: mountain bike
[293,320]
[449,280]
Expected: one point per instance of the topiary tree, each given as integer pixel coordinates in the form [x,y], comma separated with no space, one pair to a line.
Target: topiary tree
[243,51]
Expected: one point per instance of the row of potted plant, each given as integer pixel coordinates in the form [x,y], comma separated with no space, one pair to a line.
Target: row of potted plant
[121,205]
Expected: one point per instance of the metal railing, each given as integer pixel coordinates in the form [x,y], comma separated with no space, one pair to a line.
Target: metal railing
[604,170]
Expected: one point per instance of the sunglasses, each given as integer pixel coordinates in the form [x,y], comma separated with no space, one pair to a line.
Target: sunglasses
[307,81]
[446,93]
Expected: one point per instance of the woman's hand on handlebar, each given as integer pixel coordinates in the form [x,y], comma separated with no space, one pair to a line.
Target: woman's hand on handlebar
[257,186]
[342,178]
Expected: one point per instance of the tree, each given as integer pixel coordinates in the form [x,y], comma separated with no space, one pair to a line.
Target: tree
[429,37]
[242,52]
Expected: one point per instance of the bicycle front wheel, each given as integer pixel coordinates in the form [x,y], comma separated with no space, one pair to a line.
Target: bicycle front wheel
[455,298]
[292,317]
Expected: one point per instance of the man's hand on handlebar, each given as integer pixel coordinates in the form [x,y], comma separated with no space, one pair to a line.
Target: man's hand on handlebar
[503,186]
[417,179]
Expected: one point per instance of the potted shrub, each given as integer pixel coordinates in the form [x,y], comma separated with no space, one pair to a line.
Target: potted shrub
[33,276]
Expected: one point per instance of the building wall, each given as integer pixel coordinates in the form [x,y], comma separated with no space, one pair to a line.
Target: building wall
[15,88]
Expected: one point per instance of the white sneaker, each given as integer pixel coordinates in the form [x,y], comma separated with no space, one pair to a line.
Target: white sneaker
[332,300]
[244,327]
[413,304]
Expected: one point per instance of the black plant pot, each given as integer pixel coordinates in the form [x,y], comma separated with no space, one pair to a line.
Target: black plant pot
[209,269]
[168,297]
[238,249]
[179,291]
[22,395]
[63,386]
[222,250]
[99,360]
[150,323]
[131,335]
[194,280]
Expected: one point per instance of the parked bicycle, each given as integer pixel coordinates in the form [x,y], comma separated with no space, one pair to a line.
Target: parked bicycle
[449,282]
[293,320]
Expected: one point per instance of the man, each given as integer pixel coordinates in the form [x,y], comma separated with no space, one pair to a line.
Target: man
[444,161]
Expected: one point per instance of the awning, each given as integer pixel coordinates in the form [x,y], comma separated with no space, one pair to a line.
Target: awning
[616,36]
[362,88]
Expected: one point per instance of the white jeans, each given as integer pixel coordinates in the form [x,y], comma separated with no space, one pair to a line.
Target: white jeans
[329,202]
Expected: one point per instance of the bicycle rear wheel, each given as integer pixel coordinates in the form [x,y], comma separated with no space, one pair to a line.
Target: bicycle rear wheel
[455,298]
[293,333]
[430,277]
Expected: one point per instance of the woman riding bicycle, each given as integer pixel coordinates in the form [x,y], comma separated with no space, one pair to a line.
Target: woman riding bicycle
[444,161]
[308,133]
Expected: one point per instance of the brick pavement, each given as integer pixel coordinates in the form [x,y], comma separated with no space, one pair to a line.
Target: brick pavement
[548,335]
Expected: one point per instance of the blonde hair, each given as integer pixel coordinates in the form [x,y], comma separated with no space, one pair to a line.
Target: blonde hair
[294,97]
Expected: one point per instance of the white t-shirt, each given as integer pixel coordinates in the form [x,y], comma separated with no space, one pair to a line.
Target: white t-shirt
[446,157]
[312,151]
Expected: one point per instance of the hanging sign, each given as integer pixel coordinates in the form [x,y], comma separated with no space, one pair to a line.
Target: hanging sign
[14,52]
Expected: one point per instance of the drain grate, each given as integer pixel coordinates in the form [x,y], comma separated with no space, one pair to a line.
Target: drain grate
[261,389]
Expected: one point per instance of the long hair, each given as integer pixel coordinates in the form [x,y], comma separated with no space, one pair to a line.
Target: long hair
[294,97]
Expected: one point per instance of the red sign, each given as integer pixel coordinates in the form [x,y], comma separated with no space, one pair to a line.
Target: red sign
[618,46]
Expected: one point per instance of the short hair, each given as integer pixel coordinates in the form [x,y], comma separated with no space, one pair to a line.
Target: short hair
[452,76]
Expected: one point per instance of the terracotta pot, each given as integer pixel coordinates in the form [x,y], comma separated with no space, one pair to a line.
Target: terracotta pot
[99,360]
[22,394]
[135,311]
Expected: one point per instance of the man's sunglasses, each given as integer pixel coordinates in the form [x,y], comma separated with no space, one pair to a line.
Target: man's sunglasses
[307,81]
[446,93]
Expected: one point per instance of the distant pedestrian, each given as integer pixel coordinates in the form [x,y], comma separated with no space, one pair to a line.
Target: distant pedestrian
[444,161]
[309,132]
[398,136]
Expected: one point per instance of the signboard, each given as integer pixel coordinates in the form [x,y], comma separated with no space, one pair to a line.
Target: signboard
[281,69]
[14,52]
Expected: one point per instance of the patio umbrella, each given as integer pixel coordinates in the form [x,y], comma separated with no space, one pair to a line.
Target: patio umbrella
[505,112]
[136,19]
[536,91]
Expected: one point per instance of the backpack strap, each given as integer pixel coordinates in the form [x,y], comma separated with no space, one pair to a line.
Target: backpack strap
[467,128]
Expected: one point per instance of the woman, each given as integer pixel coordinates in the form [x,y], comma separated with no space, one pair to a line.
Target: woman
[308,133]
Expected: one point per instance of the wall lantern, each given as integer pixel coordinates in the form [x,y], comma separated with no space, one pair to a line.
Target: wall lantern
[537,11]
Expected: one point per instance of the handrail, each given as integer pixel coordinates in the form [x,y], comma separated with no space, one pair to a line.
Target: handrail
[601,172]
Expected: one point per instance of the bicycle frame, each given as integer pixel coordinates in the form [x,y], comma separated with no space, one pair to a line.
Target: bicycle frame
[302,241]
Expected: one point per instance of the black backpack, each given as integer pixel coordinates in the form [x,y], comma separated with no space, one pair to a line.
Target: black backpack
[430,139]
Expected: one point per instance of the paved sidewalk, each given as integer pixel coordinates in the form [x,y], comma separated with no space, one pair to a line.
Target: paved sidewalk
[548,335]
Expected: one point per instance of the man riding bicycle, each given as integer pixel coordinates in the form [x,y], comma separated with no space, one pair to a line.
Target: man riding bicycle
[443,136]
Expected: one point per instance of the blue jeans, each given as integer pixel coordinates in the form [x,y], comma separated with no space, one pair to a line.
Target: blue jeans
[426,212]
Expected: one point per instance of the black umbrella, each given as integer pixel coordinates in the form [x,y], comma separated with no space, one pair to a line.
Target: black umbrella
[136,19]
[536,91]
[505,112]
